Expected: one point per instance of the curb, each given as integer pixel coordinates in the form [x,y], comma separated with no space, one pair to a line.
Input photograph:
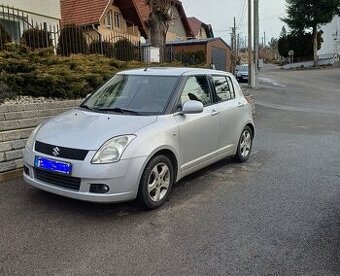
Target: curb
[6,176]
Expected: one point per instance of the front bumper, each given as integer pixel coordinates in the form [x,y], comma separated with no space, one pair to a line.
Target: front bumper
[121,177]
[242,78]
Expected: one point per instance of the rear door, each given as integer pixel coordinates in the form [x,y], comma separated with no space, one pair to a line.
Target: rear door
[199,133]
[227,103]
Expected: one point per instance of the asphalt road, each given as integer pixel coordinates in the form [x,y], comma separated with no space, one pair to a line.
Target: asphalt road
[277,214]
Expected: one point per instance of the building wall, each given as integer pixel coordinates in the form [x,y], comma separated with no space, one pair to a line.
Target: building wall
[330,30]
[201,34]
[220,45]
[176,29]
[207,49]
[123,30]
[48,8]
[178,49]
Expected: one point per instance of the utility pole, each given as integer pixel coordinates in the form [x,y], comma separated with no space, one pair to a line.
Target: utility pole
[264,38]
[238,45]
[234,46]
[256,41]
[250,42]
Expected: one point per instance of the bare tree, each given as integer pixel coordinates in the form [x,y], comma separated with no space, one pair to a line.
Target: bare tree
[162,12]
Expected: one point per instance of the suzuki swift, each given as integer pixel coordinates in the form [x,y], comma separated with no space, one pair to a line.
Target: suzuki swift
[139,133]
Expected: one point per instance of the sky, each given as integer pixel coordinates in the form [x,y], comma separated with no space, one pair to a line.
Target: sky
[220,14]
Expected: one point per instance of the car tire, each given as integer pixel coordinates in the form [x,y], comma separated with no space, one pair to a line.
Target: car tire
[156,182]
[244,145]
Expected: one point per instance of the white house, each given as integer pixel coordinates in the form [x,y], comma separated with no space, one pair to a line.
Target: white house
[331,37]
[17,15]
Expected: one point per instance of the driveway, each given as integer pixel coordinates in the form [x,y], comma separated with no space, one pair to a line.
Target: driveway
[277,214]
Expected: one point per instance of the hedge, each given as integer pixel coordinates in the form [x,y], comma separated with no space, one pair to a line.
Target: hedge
[36,39]
[40,73]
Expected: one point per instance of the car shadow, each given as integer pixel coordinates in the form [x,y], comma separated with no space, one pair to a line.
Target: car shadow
[182,191]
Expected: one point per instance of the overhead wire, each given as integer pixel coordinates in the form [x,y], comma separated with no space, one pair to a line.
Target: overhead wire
[242,14]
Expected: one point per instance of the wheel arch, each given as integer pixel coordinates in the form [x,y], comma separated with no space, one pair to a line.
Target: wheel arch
[252,128]
[170,153]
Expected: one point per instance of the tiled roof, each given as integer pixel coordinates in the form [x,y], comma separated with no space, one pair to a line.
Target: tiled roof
[143,9]
[85,12]
[82,12]
[195,24]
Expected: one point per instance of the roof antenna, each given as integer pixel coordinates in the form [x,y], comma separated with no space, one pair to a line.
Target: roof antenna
[146,69]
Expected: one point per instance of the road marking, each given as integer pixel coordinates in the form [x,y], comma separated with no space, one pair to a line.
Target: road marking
[267,80]
[296,109]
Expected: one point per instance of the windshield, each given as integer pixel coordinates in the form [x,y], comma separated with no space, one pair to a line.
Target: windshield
[138,95]
[243,69]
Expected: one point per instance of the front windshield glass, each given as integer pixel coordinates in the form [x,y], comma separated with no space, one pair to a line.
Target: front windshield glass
[133,94]
[243,69]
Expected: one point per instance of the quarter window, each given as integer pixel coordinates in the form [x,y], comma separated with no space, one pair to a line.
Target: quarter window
[197,88]
[224,88]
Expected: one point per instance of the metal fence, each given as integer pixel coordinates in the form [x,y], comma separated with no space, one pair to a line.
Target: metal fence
[36,31]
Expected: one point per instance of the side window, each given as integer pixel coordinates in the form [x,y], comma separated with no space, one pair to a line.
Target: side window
[197,88]
[224,88]
[231,86]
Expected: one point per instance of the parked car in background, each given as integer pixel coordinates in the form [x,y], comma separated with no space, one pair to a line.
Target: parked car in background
[241,73]
[139,133]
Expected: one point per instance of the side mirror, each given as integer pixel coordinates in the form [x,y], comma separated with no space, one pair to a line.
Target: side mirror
[192,107]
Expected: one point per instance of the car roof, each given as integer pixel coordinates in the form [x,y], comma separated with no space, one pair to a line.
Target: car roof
[172,71]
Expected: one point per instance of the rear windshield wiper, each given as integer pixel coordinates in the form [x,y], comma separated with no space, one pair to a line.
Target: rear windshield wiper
[118,110]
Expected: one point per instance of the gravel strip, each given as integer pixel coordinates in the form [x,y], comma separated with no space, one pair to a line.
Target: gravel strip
[29,100]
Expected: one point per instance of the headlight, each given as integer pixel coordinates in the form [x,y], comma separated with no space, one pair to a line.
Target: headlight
[112,150]
[30,140]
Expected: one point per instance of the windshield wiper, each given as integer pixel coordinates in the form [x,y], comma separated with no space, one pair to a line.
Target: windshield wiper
[87,107]
[119,110]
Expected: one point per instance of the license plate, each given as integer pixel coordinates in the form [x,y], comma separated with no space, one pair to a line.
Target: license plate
[52,165]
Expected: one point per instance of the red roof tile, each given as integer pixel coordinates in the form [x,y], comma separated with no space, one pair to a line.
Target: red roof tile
[143,9]
[195,24]
[82,12]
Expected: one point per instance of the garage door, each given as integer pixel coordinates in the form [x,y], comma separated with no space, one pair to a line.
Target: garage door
[219,58]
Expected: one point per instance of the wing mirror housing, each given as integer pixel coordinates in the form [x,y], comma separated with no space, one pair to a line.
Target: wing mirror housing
[192,107]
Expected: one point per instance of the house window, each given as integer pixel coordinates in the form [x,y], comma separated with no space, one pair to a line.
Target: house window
[108,19]
[201,33]
[12,27]
[117,19]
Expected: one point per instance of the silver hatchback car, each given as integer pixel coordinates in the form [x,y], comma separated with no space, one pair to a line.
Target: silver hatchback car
[139,133]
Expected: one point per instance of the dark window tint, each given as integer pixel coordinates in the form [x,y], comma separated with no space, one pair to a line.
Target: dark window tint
[196,88]
[224,88]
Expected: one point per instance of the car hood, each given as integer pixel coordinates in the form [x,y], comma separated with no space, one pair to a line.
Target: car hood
[88,130]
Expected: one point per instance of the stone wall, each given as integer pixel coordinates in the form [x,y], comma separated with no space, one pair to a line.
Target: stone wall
[16,123]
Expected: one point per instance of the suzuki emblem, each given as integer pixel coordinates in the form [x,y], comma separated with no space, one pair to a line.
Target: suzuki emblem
[56,151]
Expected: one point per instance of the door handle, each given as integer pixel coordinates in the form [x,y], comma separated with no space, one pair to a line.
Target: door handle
[240,104]
[214,112]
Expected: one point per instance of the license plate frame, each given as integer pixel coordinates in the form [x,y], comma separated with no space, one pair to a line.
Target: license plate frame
[53,165]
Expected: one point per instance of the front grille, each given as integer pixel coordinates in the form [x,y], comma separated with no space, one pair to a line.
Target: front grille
[56,179]
[68,153]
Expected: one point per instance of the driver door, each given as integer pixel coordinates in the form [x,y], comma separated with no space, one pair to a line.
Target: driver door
[199,133]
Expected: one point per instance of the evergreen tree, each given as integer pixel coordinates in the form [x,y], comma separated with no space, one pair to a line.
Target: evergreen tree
[304,15]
